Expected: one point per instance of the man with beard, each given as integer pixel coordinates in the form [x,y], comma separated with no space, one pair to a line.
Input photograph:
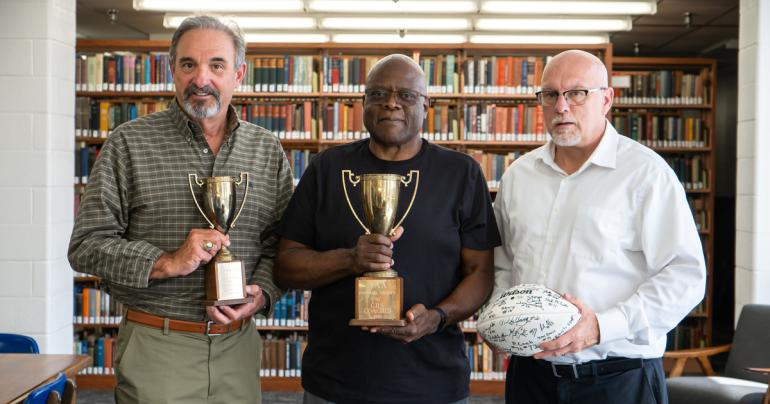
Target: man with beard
[443,252]
[603,219]
[139,230]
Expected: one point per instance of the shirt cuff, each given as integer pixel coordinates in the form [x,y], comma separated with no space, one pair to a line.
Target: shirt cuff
[612,325]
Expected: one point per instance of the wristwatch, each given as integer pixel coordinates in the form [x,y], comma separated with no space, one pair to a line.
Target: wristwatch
[442,319]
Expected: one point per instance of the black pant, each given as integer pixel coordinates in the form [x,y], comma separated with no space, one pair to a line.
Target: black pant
[531,381]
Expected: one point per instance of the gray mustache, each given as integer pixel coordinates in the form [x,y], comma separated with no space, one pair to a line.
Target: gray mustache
[192,88]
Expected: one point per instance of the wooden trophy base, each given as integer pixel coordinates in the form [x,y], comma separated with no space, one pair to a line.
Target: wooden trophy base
[225,284]
[379,302]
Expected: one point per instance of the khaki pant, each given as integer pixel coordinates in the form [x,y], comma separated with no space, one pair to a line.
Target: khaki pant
[181,367]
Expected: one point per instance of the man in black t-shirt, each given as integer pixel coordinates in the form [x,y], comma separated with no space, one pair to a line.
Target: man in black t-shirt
[443,253]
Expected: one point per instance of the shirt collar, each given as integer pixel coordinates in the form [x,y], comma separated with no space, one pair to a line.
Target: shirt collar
[182,121]
[605,154]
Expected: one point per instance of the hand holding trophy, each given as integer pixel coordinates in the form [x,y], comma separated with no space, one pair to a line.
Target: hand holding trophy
[225,277]
[379,294]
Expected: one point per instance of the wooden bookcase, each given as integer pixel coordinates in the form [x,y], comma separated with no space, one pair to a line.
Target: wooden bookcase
[692,148]
[490,109]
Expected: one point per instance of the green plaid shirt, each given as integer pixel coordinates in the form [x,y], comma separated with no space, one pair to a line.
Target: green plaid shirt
[138,205]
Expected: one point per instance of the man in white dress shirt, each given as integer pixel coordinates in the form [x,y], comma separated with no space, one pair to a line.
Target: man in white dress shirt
[604,220]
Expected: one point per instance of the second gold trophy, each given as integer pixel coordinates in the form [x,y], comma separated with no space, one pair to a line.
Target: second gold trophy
[379,294]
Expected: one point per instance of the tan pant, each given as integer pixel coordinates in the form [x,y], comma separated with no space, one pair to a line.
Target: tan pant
[181,367]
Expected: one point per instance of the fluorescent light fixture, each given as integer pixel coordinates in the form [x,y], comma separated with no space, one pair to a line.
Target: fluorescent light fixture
[390,6]
[395,38]
[251,22]
[375,23]
[554,24]
[570,7]
[230,6]
[540,39]
[256,37]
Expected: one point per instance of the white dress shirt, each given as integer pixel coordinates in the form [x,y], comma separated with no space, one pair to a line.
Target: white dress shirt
[618,234]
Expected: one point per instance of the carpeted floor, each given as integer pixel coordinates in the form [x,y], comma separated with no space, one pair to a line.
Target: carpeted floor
[105,397]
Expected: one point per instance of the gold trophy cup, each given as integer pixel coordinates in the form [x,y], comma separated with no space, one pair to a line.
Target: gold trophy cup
[225,278]
[379,294]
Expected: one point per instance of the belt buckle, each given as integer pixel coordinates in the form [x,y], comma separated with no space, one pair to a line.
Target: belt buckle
[556,373]
[208,329]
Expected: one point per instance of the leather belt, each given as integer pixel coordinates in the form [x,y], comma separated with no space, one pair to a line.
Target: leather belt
[206,327]
[596,368]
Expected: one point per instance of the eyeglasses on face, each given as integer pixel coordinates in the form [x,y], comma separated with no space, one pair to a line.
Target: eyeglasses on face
[403,96]
[577,96]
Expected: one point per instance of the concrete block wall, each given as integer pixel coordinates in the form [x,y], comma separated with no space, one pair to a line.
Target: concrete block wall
[37,41]
[752,244]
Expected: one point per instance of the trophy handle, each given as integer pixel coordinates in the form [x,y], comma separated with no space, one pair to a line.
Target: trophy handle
[245,194]
[406,181]
[353,180]
[190,178]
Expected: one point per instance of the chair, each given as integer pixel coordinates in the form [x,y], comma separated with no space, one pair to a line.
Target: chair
[15,343]
[745,380]
[59,391]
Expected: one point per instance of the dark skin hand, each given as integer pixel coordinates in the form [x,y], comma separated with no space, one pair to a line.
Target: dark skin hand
[470,293]
[300,267]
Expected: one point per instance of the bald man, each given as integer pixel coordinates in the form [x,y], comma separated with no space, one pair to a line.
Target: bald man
[443,252]
[603,219]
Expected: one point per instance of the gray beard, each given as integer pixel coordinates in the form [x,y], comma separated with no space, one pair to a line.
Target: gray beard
[200,111]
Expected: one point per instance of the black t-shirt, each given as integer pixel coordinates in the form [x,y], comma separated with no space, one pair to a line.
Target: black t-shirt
[452,210]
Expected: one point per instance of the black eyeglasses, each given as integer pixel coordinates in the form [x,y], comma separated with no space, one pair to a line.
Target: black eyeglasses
[578,96]
[403,96]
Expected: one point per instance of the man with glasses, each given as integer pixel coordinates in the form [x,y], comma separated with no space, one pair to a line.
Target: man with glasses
[443,253]
[603,219]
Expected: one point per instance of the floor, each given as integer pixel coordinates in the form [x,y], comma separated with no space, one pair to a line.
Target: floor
[105,397]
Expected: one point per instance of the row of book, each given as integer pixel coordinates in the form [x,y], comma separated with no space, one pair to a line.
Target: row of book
[690,170]
[97,118]
[685,336]
[485,363]
[503,74]
[298,161]
[660,87]
[123,71]
[346,74]
[94,306]
[85,156]
[503,123]
[493,165]
[441,123]
[343,120]
[440,73]
[657,129]
[282,357]
[699,211]
[101,349]
[290,310]
[286,120]
[280,74]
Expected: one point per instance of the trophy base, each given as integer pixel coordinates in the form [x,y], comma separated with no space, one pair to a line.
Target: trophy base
[379,302]
[228,302]
[225,283]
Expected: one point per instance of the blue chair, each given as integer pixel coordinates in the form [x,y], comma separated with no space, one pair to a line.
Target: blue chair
[15,343]
[51,392]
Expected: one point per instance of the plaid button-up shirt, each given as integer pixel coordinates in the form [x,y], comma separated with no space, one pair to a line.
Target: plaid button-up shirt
[138,205]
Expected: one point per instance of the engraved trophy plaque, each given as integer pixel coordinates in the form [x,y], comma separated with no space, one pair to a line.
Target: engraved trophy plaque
[379,294]
[225,277]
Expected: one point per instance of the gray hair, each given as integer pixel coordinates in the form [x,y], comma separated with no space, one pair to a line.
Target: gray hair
[212,23]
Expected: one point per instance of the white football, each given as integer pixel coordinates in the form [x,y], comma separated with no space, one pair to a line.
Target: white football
[525,316]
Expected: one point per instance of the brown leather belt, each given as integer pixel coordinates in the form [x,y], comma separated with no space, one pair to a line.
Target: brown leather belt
[207,327]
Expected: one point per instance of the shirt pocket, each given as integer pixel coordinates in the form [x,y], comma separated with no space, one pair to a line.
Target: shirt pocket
[597,234]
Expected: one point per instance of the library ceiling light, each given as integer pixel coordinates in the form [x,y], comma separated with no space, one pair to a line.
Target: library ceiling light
[255,37]
[554,24]
[229,6]
[396,38]
[540,39]
[390,6]
[251,22]
[362,23]
[570,7]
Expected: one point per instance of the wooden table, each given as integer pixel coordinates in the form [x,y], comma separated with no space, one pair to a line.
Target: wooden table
[22,373]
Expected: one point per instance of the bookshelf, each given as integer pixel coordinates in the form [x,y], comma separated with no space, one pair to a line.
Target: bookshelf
[668,104]
[482,104]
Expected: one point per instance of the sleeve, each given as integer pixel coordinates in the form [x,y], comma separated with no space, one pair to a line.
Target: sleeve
[675,265]
[298,222]
[98,246]
[478,228]
[263,274]
[503,254]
